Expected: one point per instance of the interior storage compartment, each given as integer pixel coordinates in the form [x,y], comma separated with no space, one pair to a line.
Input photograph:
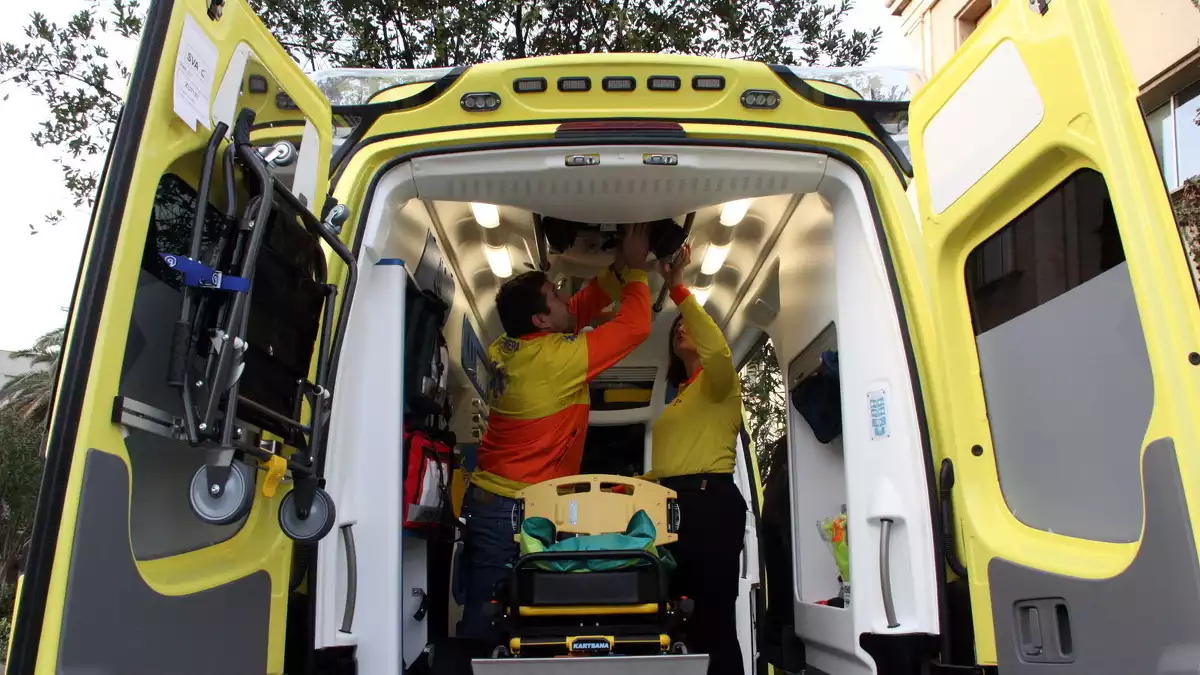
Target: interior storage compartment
[819,468]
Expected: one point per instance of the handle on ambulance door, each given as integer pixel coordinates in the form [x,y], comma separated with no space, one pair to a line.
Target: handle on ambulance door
[351,577]
[885,571]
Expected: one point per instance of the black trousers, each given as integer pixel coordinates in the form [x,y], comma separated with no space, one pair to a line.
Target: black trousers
[709,552]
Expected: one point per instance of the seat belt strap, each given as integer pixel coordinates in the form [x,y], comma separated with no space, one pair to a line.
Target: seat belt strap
[198,275]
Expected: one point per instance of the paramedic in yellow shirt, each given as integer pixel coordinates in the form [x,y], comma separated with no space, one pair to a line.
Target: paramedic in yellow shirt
[538,417]
[695,441]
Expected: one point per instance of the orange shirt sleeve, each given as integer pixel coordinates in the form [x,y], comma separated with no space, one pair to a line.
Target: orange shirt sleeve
[595,295]
[613,341]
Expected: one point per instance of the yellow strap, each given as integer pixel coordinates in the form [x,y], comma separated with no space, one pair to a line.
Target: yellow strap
[276,468]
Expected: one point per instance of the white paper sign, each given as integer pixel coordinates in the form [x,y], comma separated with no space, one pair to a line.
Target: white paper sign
[195,68]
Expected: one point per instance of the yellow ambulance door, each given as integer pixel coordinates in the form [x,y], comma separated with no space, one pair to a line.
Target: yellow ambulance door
[131,570]
[1066,377]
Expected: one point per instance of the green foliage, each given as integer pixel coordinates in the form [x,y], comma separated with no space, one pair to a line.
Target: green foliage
[28,395]
[436,33]
[1186,202]
[20,477]
[72,68]
[765,399]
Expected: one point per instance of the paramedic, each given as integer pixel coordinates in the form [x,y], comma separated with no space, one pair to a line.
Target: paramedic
[539,406]
[695,441]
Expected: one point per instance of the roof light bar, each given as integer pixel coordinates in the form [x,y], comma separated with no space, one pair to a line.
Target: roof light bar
[619,83]
[663,83]
[529,85]
[572,84]
[708,82]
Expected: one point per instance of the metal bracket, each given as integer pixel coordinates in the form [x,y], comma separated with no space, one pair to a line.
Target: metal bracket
[138,415]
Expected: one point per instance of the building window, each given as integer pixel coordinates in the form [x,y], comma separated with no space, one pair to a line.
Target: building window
[969,17]
[1176,136]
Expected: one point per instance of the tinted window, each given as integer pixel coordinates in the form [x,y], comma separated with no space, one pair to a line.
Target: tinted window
[1066,376]
[1065,240]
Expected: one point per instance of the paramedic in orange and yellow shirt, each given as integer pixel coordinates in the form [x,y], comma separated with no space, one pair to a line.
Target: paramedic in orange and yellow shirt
[538,417]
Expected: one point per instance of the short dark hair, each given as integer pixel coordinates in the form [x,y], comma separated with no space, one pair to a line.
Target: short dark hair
[519,300]
[677,372]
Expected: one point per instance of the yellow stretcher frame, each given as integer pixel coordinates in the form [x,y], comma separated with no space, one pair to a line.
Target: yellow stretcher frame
[605,506]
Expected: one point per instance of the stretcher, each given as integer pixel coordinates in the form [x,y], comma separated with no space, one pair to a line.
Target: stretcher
[570,596]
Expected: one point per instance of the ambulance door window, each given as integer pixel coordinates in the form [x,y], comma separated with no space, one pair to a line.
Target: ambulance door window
[1064,364]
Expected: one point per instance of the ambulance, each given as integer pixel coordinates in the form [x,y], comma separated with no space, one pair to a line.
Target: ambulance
[994,263]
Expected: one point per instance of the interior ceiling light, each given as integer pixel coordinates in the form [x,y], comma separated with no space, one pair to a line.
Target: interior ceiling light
[732,213]
[714,258]
[487,215]
[701,294]
[499,260]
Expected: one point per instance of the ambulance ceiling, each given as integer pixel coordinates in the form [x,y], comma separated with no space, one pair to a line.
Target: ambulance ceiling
[480,207]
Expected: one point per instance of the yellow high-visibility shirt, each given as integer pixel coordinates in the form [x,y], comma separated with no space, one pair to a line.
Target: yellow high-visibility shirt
[697,432]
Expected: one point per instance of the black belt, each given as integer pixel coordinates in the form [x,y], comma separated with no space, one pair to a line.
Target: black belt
[695,481]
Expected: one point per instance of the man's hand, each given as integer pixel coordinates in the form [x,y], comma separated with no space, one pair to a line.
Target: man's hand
[635,247]
[672,272]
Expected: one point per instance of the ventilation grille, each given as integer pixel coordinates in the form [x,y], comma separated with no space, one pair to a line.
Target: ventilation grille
[627,374]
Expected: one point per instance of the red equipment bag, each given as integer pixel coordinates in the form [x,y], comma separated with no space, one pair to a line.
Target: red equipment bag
[428,465]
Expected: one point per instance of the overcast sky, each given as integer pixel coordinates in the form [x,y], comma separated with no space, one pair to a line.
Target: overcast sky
[37,272]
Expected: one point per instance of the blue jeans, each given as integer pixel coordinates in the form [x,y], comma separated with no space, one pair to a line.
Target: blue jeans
[488,553]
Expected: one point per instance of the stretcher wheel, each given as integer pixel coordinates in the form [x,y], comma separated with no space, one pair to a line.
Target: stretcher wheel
[500,652]
[313,528]
[232,504]
[679,648]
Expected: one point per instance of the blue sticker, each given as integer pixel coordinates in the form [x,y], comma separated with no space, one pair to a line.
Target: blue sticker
[877,404]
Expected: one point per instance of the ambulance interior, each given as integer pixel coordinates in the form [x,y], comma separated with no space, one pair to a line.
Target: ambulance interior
[785,245]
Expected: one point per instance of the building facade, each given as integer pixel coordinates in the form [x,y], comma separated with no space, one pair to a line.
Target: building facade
[1162,43]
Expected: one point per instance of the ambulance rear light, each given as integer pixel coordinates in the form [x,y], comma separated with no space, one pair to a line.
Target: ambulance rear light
[620,127]
[762,99]
[482,101]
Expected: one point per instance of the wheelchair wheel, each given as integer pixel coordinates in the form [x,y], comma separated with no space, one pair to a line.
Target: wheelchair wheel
[500,652]
[232,504]
[313,528]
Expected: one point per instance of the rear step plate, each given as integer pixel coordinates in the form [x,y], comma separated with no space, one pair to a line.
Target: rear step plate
[667,664]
